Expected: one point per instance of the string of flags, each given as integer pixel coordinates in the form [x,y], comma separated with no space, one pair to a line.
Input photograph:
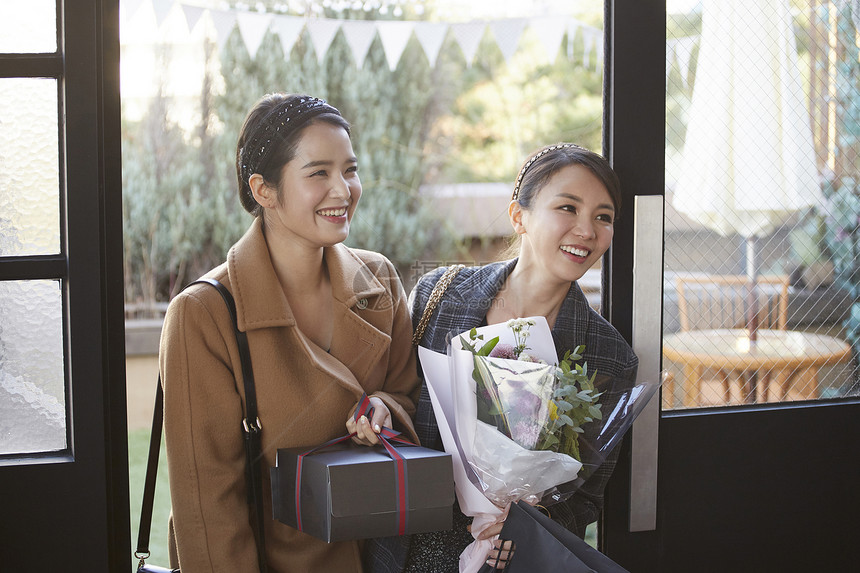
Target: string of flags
[359,34]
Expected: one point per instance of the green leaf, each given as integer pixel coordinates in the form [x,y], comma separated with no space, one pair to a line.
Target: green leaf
[584,395]
[563,406]
[488,346]
[565,419]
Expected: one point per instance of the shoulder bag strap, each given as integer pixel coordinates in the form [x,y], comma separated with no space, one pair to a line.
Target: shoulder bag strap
[251,429]
[432,302]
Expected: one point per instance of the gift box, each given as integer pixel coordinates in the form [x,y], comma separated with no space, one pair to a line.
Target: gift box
[346,491]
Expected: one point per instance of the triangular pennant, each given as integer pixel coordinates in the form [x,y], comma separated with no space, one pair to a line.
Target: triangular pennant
[128,8]
[683,53]
[162,9]
[431,35]
[322,31]
[224,21]
[252,27]
[549,31]
[598,52]
[359,35]
[288,29]
[192,15]
[394,36]
[589,42]
[468,36]
[671,56]
[572,27]
[507,34]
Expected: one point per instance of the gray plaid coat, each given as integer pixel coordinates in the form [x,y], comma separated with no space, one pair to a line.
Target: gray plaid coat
[465,305]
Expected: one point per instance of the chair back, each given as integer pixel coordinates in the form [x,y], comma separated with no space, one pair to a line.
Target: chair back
[720,301]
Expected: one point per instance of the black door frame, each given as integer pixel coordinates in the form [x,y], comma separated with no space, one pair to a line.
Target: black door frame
[778,489]
[634,142]
[68,507]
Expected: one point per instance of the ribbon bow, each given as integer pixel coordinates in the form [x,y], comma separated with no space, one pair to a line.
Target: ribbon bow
[386,437]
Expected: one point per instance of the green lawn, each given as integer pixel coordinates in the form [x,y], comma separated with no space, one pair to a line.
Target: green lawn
[138,449]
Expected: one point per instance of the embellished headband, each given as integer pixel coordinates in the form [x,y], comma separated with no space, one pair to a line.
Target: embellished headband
[534,158]
[291,114]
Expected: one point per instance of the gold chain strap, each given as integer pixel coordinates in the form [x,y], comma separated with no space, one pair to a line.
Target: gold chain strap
[433,301]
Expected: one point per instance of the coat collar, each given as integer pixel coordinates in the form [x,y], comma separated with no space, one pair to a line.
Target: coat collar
[479,288]
[260,303]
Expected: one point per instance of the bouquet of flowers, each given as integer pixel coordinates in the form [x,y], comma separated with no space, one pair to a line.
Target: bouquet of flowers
[537,406]
[520,423]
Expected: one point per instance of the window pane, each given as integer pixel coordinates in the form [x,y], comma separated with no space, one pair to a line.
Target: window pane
[29,167]
[762,169]
[32,381]
[28,27]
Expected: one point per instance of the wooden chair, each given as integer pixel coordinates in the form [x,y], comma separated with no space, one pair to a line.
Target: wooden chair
[720,302]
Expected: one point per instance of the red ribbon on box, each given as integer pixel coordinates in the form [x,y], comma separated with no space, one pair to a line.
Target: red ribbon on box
[386,436]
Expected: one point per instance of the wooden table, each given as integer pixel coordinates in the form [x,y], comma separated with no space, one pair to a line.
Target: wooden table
[784,352]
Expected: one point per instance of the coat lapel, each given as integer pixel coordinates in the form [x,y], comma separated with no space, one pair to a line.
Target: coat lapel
[260,301]
[477,292]
[356,343]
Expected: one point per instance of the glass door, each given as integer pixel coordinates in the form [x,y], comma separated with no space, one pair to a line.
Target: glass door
[62,400]
[744,467]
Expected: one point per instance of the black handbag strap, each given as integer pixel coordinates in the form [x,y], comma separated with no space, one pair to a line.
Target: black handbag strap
[251,430]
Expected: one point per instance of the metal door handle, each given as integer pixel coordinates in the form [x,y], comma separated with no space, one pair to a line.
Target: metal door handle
[647,344]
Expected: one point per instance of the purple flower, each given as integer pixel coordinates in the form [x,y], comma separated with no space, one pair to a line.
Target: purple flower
[526,404]
[503,350]
[525,434]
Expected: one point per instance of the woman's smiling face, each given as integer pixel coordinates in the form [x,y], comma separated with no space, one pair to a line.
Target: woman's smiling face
[320,188]
[569,225]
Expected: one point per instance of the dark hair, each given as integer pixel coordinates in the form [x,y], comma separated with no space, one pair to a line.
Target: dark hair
[269,138]
[546,162]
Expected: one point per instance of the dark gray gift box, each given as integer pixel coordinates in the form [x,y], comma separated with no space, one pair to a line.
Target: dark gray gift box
[348,491]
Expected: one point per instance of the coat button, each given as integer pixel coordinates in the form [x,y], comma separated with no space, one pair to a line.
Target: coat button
[361,304]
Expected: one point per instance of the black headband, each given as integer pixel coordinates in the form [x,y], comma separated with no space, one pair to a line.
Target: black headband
[534,158]
[289,115]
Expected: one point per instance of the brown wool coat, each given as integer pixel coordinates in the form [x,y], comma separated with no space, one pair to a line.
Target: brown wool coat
[304,396]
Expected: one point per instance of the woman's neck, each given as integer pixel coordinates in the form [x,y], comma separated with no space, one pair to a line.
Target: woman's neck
[304,278]
[527,292]
[299,268]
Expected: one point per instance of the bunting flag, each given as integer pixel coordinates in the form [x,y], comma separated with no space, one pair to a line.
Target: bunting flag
[468,37]
[431,35]
[394,35]
[679,55]
[288,30]
[359,37]
[683,53]
[322,31]
[590,42]
[128,8]
[507,34]
[162,9]
[192,16]
[359,34]
[223,21]
[551,33]
[573,27]
[253,26]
